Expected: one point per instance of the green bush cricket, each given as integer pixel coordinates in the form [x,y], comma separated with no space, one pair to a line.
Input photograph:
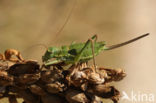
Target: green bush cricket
[80,52]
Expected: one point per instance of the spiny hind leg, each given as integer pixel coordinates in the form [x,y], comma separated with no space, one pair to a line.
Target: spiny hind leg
[89,41]
[78,57]
[93,53]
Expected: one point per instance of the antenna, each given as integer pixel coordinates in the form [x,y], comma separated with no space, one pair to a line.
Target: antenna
[42,45]
[66,21]
[58,32]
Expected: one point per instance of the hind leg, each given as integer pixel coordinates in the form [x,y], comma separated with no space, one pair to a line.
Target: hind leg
[89,41]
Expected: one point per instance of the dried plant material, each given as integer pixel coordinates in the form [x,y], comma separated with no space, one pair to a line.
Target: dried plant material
[79,83]
[28,96]
[37,90]
[5,79]
[96,99]
[77,78]
[12,99]
[112,74]
[27,78]
[95,78]
[50,98]
[28,67]
[12,52]
[74,96]
[55,87]
[105,91]
[2,57]
[50,76]
[2,90]
[5,65]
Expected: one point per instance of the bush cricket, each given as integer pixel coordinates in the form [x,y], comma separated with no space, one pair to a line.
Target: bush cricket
[80,52]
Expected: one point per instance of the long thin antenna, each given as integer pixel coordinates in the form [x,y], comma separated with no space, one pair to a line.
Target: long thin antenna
[42,45]
[66,21]
[58,32]
[125,43]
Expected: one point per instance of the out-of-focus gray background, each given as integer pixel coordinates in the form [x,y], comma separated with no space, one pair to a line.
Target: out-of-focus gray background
[25,23]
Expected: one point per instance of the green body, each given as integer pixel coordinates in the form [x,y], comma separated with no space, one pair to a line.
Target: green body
[68,54]
[79,52]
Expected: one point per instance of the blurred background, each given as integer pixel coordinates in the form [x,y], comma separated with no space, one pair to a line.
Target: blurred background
[26,23]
